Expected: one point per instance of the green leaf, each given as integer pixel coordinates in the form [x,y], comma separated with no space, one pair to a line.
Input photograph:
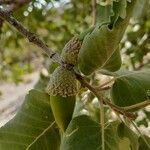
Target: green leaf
[142,144]
[88,31]
[84,133]
[119,9]
[120,22]
[100,48]
[96,53]
[122,4]
[124,132]
[33,126]
[104,13]
[130,87]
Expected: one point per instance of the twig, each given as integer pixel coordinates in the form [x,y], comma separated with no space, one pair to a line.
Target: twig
[118,115]
[102,121]
[142,136]
[103,88]
[93,12]
[30,36]
[137,106]
[116,108]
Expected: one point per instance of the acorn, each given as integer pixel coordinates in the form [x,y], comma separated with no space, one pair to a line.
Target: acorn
[63,85]
[70,52]
[62,89]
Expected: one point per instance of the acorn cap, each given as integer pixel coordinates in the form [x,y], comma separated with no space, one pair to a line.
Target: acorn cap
[62,82]
[71,50]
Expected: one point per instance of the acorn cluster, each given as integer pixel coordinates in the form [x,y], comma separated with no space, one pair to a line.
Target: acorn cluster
[63,87]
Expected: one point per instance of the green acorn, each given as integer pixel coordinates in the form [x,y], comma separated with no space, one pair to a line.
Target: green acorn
[62,89]
[70,52]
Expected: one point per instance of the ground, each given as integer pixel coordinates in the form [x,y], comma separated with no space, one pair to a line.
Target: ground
[13,96]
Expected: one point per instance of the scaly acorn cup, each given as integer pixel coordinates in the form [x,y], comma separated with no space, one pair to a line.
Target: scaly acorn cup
[62,89]
[70,52]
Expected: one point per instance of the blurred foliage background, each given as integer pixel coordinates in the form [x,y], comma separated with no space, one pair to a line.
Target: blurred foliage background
[136,42]
[54,21]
